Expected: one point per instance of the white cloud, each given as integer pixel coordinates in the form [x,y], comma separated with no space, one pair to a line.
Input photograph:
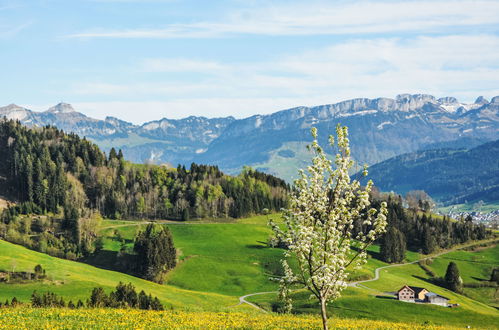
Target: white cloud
[325,18]
[460,66]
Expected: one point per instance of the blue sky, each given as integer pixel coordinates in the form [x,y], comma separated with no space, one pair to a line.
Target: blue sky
[141,60]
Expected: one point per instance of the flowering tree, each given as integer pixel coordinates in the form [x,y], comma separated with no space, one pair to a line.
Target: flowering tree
[319,225]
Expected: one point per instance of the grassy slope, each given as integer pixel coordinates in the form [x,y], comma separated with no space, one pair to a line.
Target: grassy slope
[474,267]
[373,300]
[226,258]
[75,280]
[230,259]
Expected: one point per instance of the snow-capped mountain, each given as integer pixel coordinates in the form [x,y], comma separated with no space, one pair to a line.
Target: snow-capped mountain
[379,129]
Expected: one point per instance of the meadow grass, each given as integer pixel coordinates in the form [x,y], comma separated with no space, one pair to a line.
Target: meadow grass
[221,260]
[227,258]
[74,280]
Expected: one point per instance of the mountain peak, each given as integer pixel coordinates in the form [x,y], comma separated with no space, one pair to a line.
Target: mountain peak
[481,100]
[62,108]
[448,100]
[12,107]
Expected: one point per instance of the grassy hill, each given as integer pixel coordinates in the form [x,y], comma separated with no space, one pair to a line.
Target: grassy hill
[232,259]
[220,261]
[374,300]
[74,280]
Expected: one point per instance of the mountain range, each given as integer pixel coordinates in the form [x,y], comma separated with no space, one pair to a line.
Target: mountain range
[379,129]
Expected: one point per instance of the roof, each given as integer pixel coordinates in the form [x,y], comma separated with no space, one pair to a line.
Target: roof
[433,294]
[416,289]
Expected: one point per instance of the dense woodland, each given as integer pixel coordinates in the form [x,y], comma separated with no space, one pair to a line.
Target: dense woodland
[70,184]
[414,229]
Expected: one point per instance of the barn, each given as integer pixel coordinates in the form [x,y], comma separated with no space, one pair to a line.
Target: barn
[435,299]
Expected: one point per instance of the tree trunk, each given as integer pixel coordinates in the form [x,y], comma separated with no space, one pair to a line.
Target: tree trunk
[324,314]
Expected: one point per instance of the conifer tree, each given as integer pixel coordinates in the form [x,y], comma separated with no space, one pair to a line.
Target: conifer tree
[393,246]
[453,279]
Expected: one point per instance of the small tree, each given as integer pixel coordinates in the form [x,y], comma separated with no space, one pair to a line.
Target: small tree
[453,279]
[494,277]
[319,223]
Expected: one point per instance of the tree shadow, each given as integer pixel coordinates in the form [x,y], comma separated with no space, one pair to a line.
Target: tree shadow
[262,245]
[372,254]
[110,260]
[479,279]
[435,280]
[386,297]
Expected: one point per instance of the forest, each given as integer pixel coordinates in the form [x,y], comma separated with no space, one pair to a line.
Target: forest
[411,228]
[69,184]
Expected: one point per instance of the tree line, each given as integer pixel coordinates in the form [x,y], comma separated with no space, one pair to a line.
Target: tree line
[421,232]
[124,296]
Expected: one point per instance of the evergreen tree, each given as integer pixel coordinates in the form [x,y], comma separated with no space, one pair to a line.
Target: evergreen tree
[393,246]
[494,277]
[429,242]
[98,298]
[453,279]
[156,252]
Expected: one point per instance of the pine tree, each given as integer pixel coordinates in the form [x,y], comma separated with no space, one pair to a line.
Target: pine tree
[393,246]
[156,252]
[453,279]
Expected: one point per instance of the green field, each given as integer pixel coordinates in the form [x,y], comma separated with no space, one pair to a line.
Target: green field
[227,258]
[373,300]
[74,280]
[220,261]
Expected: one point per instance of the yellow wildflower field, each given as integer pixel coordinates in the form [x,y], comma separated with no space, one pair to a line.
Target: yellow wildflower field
[31,318]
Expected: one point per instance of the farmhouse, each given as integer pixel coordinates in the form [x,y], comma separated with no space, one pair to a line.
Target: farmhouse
[421,295]
[411,293]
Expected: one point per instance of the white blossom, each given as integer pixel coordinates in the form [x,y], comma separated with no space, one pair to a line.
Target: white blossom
[319,224]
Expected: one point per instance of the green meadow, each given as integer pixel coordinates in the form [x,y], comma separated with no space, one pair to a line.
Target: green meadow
[220,261]
[75,280]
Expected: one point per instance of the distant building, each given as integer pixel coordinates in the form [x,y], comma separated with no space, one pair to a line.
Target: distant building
[436,299]
[421,295]
[411,293]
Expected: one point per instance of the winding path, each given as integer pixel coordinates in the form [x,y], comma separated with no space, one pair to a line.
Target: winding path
[376,273]
[242,299]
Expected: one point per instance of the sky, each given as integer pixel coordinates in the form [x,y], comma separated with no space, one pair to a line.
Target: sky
[141,60]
